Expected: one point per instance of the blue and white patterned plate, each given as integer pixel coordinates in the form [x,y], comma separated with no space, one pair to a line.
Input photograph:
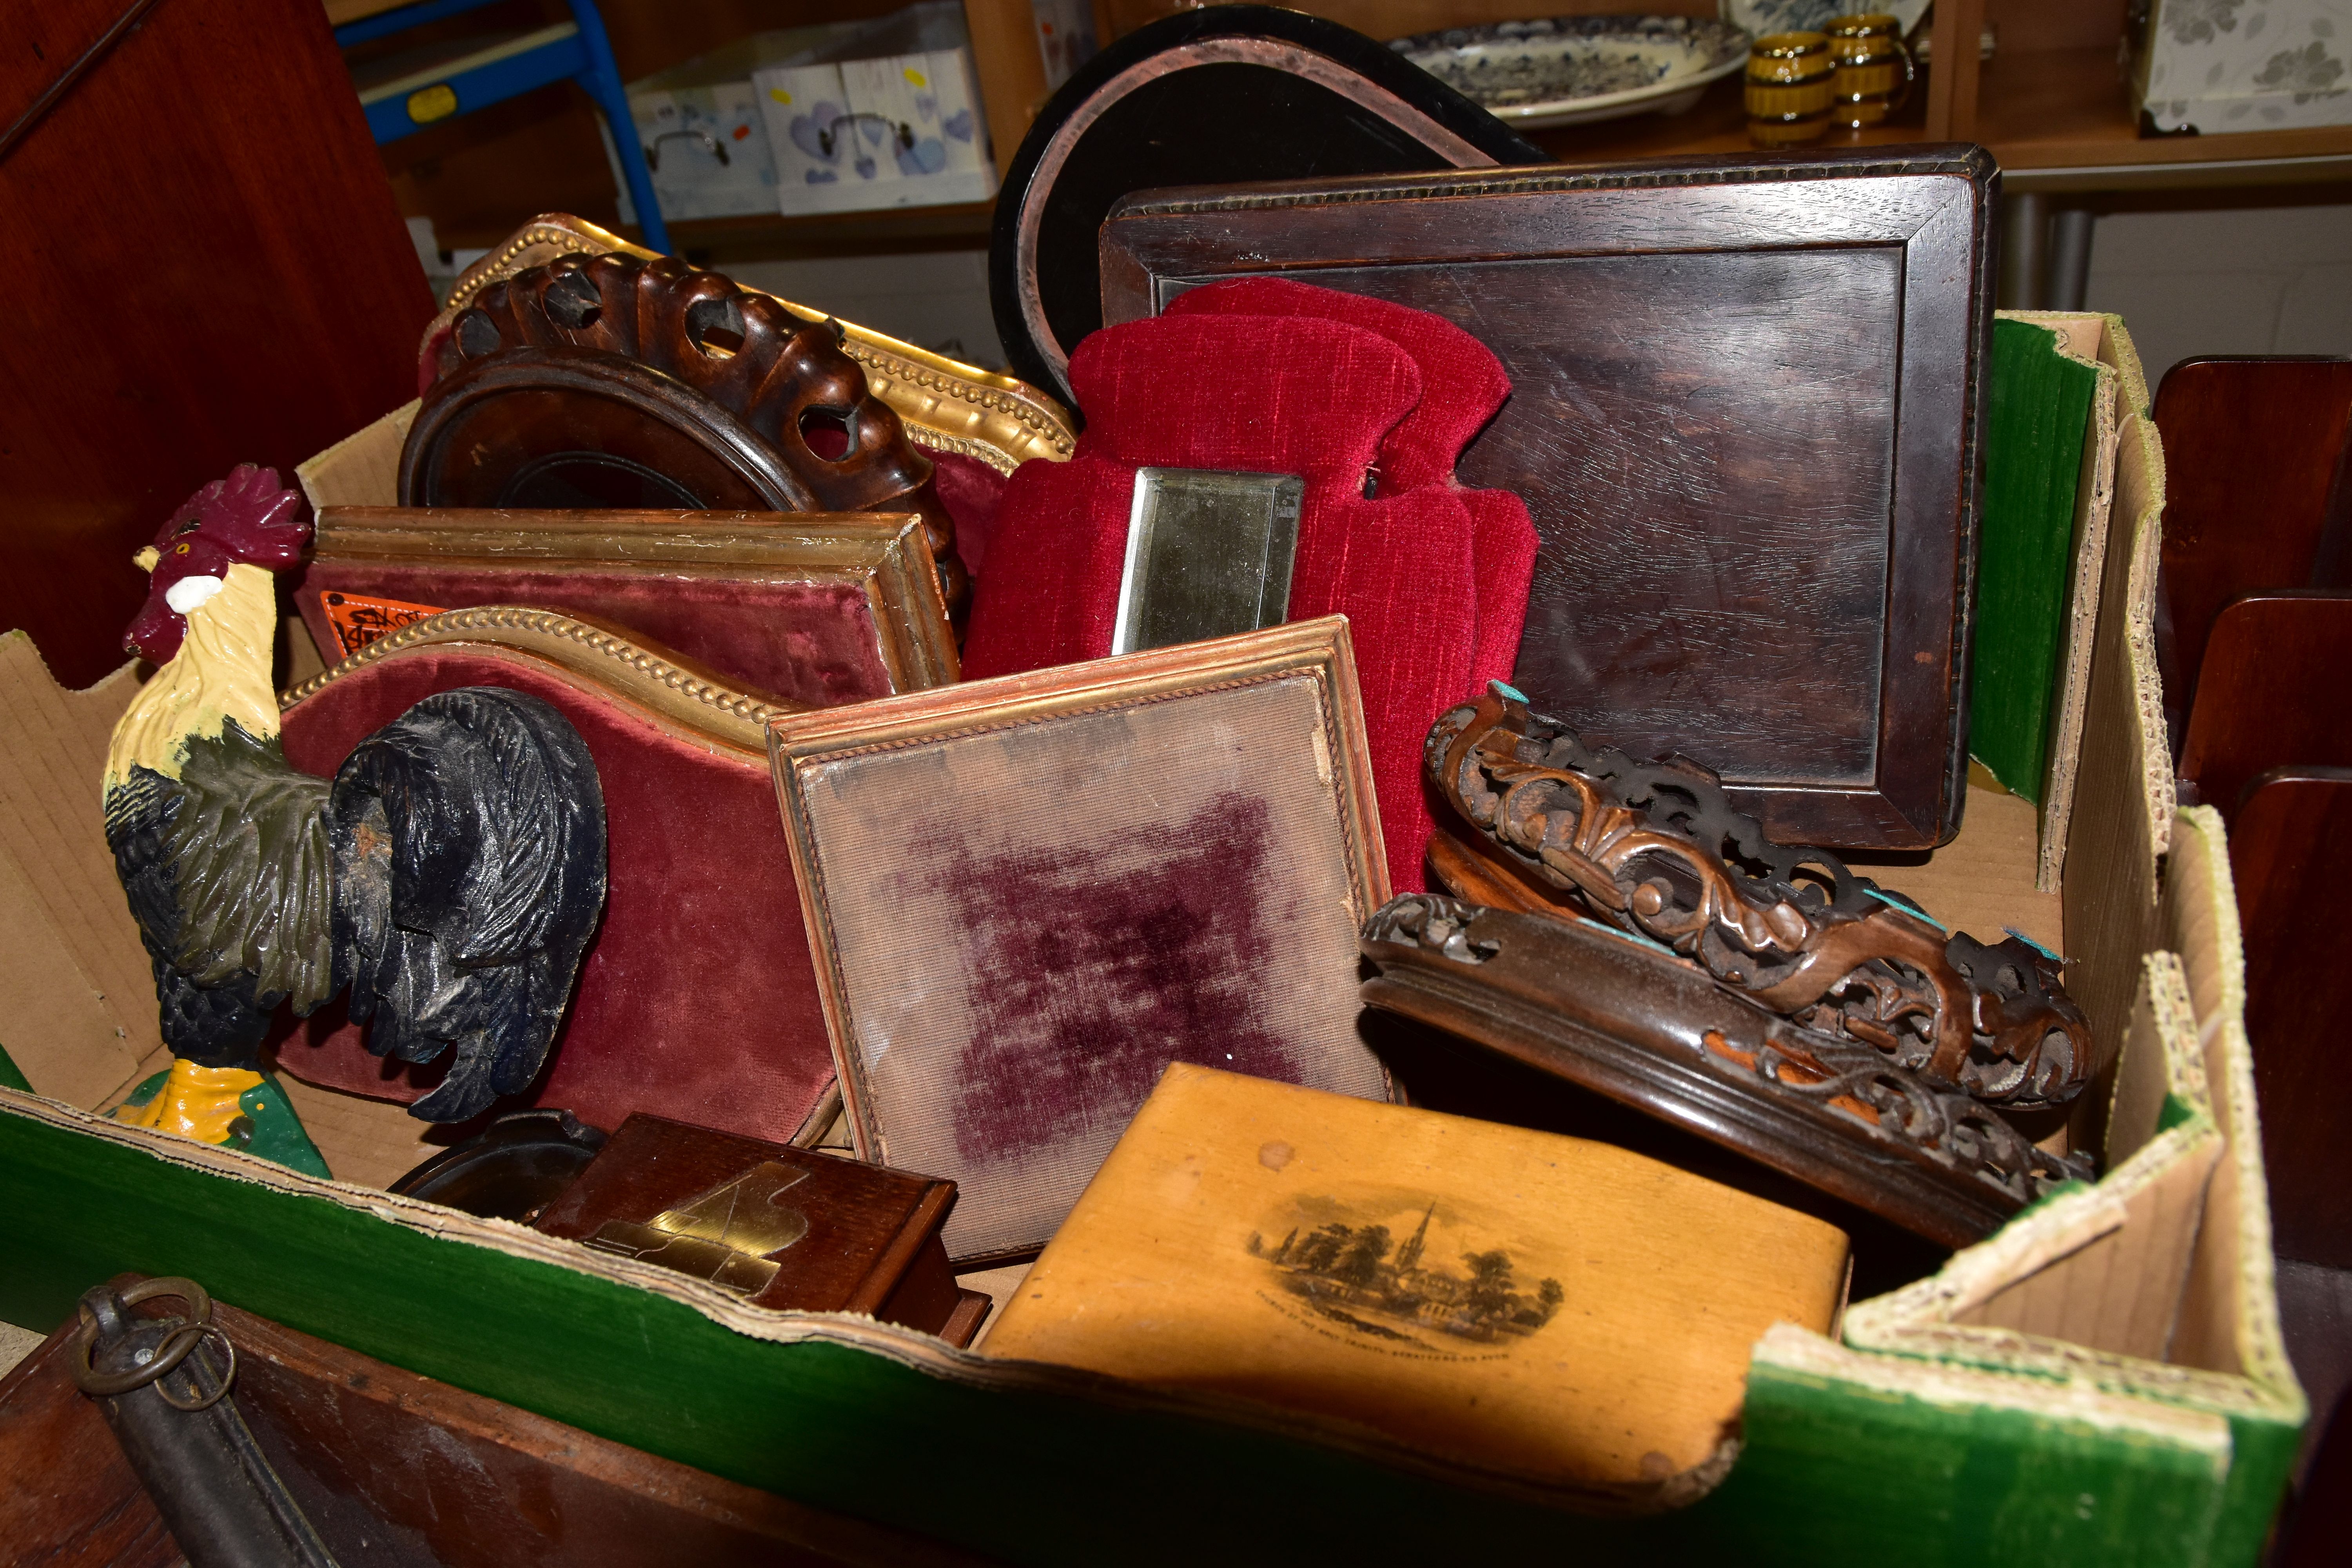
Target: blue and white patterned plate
[1571,71]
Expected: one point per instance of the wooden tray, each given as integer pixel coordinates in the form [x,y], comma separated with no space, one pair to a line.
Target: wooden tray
[1745,415]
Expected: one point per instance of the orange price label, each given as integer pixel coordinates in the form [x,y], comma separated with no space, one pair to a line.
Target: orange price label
[359,621]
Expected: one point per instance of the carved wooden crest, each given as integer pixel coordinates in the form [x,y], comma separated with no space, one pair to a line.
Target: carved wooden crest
[1578,1002]
[1655,850]
[611,381]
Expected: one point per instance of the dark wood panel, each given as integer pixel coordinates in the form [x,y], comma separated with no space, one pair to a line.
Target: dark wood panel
[1744,417]
[206,267]
[1759,501]
[2289,857]
[67,1497]
[396,1468]
[2271,692]
[2254,457]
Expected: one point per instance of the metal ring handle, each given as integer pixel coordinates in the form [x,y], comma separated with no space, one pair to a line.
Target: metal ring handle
[229,1373]
[174,1349]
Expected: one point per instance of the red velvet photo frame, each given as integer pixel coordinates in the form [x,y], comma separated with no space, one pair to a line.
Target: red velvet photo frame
[1025,897]
[1370,402]
[696,1001]
[808,609]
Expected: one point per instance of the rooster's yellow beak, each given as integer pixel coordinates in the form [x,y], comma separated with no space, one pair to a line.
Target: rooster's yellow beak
[145,559]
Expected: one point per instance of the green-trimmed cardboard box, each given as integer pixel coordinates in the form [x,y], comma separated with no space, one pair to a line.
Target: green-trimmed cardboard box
[2101,1382]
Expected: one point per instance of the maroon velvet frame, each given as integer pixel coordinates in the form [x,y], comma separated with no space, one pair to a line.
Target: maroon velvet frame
[697,1000]
[813,609]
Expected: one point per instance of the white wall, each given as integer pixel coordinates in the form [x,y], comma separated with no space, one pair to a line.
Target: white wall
[2247,280]
[934,300]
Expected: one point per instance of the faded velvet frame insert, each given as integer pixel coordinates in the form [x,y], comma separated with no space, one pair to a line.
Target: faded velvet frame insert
[1025,897]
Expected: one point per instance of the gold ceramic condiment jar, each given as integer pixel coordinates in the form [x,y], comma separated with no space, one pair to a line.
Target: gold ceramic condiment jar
[1789,88]
[1872,74]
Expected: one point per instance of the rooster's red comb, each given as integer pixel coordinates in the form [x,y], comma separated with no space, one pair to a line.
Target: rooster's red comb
[250,516]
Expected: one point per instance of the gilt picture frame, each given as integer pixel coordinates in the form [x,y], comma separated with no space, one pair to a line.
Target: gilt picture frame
[1025,897]
[811,609]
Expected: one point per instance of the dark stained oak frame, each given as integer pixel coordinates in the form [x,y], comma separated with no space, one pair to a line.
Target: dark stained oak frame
[1836,713]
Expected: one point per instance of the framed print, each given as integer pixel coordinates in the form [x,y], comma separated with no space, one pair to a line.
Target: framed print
[1025,897]
[811,609]
[1746,403]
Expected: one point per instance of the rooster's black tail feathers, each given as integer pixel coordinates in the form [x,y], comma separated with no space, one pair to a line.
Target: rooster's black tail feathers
[470,851]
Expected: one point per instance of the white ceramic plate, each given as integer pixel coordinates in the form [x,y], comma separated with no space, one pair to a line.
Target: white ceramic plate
[1573,70]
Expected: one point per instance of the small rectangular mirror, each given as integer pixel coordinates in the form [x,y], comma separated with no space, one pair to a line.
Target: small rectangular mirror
[1208,554]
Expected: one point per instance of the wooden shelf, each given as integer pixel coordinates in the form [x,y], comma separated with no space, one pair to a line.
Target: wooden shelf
[765,238]
[2056,119]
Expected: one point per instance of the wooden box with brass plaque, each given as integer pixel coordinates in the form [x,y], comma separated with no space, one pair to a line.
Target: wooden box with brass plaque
[1560,1312]
[785,1229]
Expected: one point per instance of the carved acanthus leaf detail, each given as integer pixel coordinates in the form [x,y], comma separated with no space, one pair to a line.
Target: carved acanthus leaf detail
[1656,849]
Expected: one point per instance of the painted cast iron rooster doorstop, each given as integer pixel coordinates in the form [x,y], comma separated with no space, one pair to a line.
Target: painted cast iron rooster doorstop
[450,874]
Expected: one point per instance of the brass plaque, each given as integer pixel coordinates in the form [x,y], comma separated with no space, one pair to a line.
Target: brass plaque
[723,1236]
[1208,554]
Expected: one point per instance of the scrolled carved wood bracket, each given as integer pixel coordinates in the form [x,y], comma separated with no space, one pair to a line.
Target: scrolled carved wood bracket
[1582,1002]
[1656,849]
[775,372]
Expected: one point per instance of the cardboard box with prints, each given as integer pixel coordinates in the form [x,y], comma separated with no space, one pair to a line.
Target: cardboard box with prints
[2100,1381]
[892,135]
[2210,66]
[700,123]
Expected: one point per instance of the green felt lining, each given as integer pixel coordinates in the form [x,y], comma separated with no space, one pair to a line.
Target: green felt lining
[2040,417]
[1064,1470]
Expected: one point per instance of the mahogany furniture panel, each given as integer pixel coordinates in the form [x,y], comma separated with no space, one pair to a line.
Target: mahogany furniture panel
[198,276]
[1747,397]
[2289,857]
[458,1478]
[2272,693]
[2258,493]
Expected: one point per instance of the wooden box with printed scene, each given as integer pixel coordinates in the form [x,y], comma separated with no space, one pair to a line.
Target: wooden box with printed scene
[785,1229]
[1746,398]
[1547,1307]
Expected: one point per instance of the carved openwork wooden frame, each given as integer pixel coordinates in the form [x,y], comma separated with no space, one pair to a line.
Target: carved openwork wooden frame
[1656,849]
[1580,1002]
[947,405]
[883,555]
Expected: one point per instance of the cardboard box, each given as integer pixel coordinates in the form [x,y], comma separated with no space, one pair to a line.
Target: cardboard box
[706,140]
[890,116]
[2210,66]
[2100,1381]
[720,142]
